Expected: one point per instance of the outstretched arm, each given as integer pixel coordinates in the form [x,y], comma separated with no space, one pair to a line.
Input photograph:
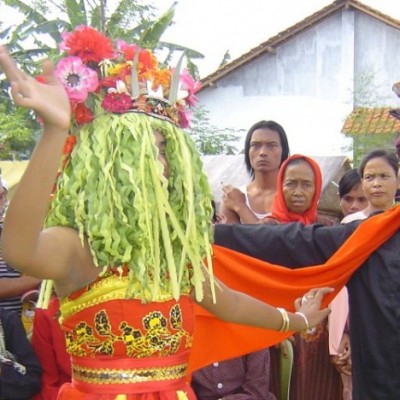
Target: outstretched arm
[237,307]
[25,246]
[281,244]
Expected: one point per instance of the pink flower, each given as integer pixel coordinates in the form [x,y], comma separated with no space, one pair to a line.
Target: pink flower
[129,50]
[117,102]
[191,86]
[185,118]
[77,78]
[64,36]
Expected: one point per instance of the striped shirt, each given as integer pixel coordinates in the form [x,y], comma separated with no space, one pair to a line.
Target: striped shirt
[10,303]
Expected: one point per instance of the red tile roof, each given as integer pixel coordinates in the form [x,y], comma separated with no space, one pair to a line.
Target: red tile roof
[270,45]
[372,121]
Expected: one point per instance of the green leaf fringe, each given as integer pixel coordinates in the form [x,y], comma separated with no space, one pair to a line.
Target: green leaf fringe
[113,193]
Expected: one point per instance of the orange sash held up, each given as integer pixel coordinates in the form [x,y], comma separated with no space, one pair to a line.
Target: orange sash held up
[215,340]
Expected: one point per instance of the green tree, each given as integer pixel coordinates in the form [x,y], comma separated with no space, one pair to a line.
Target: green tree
[17,133]
[366,90]
[130,20]
[208,138]
[364,143]
[366,94]
[39,33]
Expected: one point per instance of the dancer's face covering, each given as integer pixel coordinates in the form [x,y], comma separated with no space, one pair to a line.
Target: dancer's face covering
[161,143]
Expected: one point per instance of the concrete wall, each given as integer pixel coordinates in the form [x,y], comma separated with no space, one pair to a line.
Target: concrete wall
[308,85]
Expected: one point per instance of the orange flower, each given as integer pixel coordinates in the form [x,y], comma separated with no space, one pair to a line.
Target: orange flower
[147,61]
[161,77]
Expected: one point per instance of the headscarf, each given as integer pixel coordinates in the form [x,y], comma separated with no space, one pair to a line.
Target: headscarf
[279,210]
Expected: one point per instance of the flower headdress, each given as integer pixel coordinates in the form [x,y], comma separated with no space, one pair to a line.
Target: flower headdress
[99,76]
[112,189]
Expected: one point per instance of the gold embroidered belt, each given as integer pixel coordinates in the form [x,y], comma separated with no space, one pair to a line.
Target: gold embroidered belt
[109,375]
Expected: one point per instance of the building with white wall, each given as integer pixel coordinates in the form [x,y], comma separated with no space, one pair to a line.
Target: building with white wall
[306,77]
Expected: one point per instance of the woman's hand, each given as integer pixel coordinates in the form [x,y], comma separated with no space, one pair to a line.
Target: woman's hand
[48,99]
[310,305]
[269,221]
[342,360]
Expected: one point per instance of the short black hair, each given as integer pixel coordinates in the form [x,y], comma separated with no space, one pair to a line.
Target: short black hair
[349,180]
[390,158]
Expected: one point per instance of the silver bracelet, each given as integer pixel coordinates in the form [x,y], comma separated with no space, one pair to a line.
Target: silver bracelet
[307,328]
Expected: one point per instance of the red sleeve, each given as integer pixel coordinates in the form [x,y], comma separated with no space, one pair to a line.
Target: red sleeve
[47,347]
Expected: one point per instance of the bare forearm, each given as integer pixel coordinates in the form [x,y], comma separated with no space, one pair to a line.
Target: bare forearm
[239,213]
[246,215]
[230,217]
[10,287]
[28,207]
[236,307]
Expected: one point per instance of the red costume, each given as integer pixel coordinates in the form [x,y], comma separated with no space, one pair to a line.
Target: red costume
[126,348]
[153,340]
[48,341]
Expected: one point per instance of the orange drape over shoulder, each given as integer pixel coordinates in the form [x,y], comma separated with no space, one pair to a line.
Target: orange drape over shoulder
[216,340]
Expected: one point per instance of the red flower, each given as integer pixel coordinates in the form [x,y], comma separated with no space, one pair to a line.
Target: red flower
[41,79]
[109,82]
[116,102]
[69,144]
[88,44]
[83,114]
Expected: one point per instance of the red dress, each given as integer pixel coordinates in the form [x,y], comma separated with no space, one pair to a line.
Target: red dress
[125,349]
[48,342]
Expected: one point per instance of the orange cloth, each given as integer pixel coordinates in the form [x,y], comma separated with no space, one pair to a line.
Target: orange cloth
[279,209]
[276,285]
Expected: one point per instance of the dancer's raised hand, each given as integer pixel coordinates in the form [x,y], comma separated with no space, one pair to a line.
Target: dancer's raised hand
[48,99]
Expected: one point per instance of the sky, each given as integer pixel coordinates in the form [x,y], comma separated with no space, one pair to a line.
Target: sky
[214,26]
